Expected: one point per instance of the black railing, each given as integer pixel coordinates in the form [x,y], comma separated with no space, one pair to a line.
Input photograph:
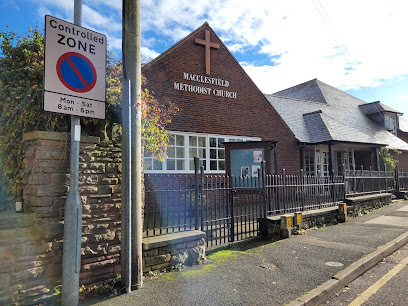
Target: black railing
[228,208]
[402,180]
[291,193]
[362,182]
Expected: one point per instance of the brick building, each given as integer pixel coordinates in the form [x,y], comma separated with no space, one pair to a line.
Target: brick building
[336,129]
[316,126]
[218,102]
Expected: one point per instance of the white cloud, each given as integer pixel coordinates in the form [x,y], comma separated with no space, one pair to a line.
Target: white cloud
[99,21]
[148,54]
[314,40]
[346,43]
[403,98]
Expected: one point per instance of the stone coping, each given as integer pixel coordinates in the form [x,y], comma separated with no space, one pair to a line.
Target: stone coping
[173,238]
[57,136]
[306,214]
[369,197]
[321,211]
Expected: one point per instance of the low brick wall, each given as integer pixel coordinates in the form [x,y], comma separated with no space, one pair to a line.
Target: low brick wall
[320,217]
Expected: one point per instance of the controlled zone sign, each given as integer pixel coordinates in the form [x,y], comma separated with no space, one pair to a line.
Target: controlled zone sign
[74,69]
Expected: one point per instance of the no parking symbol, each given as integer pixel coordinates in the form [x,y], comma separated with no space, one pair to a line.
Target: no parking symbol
[76,72]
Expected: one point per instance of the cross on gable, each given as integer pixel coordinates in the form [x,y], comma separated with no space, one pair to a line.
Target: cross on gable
[208,44]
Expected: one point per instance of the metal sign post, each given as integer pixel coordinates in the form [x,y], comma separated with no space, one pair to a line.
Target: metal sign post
[71,256]
[74,83]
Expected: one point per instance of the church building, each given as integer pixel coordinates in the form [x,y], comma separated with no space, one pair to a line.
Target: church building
[315,126]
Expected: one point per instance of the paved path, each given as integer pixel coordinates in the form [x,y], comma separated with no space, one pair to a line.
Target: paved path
[272,273]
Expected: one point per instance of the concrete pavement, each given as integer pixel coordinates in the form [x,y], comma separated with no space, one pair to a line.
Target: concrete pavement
[305,269]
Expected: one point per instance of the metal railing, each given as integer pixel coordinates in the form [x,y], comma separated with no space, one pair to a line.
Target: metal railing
[291,193]
[401,180]
[360,182]
[228,208]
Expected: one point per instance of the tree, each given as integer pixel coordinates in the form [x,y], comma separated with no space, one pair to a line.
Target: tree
[21,106]
[387,160]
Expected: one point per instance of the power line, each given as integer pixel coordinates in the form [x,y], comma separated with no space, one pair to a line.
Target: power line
[345,52]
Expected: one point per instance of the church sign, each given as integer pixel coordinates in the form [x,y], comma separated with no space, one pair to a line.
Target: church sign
[205,79]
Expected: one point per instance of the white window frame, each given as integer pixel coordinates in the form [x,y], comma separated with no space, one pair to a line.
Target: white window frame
[227,138]
[390,122]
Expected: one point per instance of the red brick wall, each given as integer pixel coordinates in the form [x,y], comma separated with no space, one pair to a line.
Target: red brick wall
[403,136]
[402,159]
[250,114]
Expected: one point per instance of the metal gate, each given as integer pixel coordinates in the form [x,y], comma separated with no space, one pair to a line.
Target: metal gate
[230,208]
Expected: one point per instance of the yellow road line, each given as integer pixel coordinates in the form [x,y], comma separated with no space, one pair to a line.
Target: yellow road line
[378,284]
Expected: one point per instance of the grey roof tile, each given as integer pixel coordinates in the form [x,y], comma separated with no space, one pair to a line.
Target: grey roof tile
[340,115]
[376,107]
[309,91]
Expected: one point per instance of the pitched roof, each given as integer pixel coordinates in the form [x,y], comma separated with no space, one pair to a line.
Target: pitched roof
[337,116]
[376,107]
[309,91]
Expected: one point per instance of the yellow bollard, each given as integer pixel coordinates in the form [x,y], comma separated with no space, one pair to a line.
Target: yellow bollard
[342,212]
[286,226]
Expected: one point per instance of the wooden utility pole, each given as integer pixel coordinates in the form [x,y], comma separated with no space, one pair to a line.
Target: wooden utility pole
[132,71]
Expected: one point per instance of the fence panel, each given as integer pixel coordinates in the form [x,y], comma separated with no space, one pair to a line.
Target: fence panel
[215,209]
[169,204]
[362,182]
[227,209]
[291,193]
[402,180]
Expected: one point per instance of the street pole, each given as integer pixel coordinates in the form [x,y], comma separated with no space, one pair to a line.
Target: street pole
[126,245]
[71,258]
[132,71]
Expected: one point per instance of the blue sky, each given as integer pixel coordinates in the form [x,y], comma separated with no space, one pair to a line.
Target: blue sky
[360,46]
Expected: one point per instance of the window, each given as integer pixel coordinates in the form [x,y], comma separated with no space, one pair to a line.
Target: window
[322,162]
[197,148]
[390,123]
[345,158]
[217,153]
[183,147]
[308,162]
[176,153]
[151,163]
[315,160]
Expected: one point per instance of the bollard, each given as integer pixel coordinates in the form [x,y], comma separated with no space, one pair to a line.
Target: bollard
[298,219]
[286,226]
[342,212]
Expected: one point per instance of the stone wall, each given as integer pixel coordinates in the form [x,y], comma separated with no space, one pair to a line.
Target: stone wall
[357,205]
[24,278]
[31,243]
[47,163]
[162,252]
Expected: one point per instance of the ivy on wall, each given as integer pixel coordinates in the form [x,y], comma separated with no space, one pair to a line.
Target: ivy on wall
[21,107]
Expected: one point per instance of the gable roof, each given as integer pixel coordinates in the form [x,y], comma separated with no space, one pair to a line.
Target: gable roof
[243,78]
[193,34]
[335,117]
